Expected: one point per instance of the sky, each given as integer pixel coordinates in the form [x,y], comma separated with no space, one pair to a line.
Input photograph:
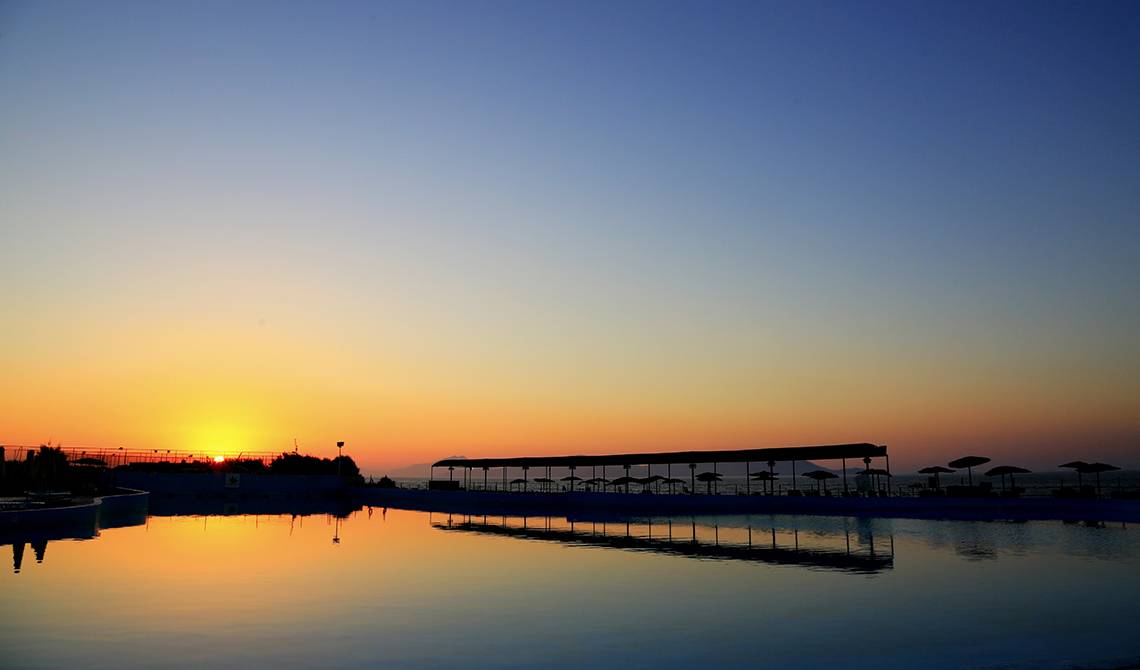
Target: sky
[503,228]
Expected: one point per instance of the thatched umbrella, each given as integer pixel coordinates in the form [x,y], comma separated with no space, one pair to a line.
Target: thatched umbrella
[545,481]
[1080,467]
[649,481]
[769,479]
[1003,470]
[877,473]
[820,476]
[622,481]
[520,480]
[935,470]
[969,462]
[708,478]
[571,479]
[594,481]
[1097,468]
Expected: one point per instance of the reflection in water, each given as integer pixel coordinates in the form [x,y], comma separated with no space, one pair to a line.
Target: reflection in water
[827,550]
[39,538]
[85,529]
[404,589]
[175,506]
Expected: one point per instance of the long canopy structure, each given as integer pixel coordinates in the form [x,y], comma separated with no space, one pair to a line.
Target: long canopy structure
[778,454]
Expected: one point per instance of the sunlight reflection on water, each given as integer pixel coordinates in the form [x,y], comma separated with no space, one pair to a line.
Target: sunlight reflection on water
[412,589]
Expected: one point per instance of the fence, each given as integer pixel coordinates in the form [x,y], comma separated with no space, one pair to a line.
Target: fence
[113,457]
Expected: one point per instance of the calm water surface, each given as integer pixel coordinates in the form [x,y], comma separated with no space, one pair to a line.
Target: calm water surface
[417,590]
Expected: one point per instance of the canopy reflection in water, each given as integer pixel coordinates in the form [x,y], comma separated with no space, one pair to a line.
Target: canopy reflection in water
[681,538]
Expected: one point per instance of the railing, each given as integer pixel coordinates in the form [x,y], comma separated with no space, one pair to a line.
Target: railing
[112,457]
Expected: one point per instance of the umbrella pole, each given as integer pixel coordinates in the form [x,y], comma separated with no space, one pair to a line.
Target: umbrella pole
[747,478]
[844,476]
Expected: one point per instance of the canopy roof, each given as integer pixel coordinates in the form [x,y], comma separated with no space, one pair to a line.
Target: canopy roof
[814,453]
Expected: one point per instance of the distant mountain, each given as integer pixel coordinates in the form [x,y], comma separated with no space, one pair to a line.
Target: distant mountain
[416,470]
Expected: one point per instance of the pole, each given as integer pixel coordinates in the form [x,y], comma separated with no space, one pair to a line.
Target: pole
[844,476]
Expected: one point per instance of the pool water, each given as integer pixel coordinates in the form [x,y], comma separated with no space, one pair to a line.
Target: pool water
[417,590]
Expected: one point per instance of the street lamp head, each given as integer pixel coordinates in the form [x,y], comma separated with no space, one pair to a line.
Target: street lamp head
[340,444]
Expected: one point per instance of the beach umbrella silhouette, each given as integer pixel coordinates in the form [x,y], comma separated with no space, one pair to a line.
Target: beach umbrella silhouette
[520,480]
[1097,468]
[545,481]
[571,479]
[877,473]
[1079,466]
[1004,470]
[622,481]
[672,482]
[594,481]
[820,477]
[708,478]
[969,462]
[766,476]
[936,470]
[648,481]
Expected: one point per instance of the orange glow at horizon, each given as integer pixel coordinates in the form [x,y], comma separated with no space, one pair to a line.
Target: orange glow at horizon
[404,393]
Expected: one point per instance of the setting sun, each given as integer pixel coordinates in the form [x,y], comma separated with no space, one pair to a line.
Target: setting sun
[219,459]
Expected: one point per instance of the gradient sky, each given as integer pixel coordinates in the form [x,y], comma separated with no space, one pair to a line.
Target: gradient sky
[492,228]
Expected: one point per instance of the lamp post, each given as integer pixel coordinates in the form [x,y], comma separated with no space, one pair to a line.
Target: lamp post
[339,446]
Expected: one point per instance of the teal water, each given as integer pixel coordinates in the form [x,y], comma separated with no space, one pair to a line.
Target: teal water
[417,590]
